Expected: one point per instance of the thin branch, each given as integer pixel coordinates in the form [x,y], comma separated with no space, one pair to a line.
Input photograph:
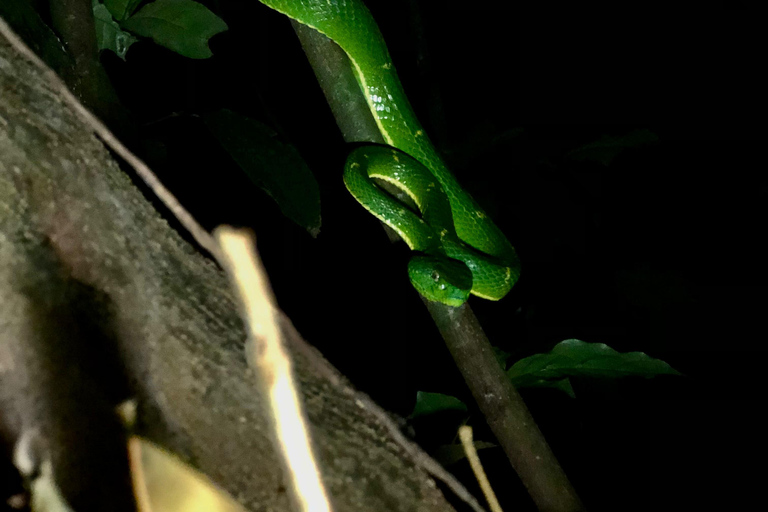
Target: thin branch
[267,353]
[505,411]
[73,21]
[465,434]
[331,67]
[342,92]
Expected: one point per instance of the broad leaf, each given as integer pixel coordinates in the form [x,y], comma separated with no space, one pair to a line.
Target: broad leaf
[448,454]
[183,26]
[109,35]
[276,168]
[532,381]
[172,485]
[430,403]
[121,9]
[607,148]
[501,356]
[576,358]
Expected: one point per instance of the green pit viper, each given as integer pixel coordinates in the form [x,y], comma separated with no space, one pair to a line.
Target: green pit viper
[463,250]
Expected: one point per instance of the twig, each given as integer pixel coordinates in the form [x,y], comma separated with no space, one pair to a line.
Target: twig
[465,434]
[265,351]
[504,409]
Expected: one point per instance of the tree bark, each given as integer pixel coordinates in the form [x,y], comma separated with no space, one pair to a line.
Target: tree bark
[100,300]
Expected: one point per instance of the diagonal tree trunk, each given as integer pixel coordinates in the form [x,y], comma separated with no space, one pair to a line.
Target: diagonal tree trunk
[100,300]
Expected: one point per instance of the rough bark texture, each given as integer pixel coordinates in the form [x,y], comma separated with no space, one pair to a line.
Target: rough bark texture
[100,300]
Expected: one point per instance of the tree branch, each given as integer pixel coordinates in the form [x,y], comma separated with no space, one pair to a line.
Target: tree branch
[504,409]
[73,21]
[71,220]
[502,406]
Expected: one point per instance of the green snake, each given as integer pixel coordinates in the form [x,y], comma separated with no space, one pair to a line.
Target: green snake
[463,250]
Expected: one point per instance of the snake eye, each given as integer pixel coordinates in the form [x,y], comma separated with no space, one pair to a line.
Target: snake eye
[435,275]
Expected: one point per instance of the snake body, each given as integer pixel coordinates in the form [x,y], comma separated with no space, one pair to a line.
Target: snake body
[464,251]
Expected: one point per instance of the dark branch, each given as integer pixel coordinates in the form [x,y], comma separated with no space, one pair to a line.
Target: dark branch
[502,406]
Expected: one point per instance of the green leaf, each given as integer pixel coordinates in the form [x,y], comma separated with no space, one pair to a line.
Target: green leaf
[531,381]
[576,358]
[607,148]
[183,26]
[109,35]
[276,168]
[448,454]
[501,356]
[121,9]
[430,403]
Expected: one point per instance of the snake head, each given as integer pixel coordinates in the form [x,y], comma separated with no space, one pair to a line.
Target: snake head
[440,279]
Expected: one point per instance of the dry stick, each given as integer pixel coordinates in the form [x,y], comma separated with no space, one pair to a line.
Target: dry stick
[140,491]
[266,353]
[465,434]
[505,411]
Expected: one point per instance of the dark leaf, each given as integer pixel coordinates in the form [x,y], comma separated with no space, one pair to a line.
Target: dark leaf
[576,358]
[183,26]
[276,168]
[607,147]
[430,403]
